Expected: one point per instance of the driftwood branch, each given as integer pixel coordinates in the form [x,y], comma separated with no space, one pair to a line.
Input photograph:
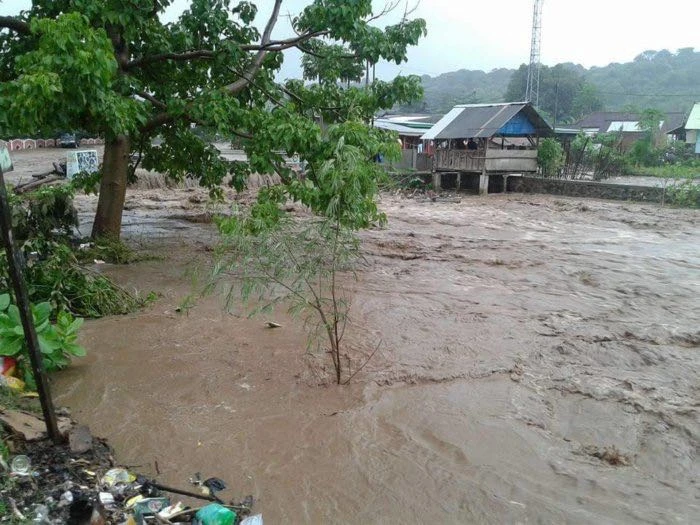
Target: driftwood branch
[29,186]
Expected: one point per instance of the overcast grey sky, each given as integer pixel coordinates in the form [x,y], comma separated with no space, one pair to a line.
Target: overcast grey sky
[466,34]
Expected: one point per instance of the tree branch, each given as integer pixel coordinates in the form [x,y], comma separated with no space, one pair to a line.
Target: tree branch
[388,8]
[241,83]
[241,134]
[313,53]
[153,100]
[195,54]
[162,57]
[281,45]
[159,120]
[19,26]
[164,118]
[233,88]
[121,48]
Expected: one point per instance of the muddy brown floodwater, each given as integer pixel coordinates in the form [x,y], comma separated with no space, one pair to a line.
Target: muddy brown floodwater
[539,363]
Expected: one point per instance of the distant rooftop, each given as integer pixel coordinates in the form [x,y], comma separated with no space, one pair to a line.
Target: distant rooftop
[607,121]
[693,121]
[418,118]
[410,128]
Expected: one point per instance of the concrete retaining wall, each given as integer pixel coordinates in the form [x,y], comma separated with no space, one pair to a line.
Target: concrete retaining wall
[577,188]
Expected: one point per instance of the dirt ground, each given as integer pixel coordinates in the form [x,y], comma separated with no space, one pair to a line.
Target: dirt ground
[538,364]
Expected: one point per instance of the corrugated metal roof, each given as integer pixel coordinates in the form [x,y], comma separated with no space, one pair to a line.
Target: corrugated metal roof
[567,131]
[422,118]
[625,126]
[483,120]
[602,121]
[409,130]
[674,120]
[443,123]
[694,118]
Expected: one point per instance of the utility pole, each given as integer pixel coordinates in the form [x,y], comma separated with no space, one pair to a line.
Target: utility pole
[532,89]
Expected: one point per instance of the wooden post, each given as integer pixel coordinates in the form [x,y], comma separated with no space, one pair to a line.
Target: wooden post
[15,264]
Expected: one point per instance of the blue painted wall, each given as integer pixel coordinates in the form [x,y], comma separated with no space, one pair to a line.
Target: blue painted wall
[518,125]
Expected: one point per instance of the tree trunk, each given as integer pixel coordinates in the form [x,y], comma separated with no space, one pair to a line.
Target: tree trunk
[115,166]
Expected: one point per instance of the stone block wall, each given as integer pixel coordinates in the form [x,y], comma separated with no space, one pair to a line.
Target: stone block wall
[577,188]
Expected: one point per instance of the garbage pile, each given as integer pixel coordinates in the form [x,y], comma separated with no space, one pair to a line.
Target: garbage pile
[77,483]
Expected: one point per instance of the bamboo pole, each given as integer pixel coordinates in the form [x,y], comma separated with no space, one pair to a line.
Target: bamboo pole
[16,264]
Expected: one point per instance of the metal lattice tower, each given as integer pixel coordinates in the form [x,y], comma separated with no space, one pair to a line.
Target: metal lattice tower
[532,90]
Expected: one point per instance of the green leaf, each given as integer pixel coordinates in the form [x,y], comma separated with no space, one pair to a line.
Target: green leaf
[48,343]
[75,326]
[13,314]
[41,312]
[41,327]
[11,346]
[4,301]
[75,350]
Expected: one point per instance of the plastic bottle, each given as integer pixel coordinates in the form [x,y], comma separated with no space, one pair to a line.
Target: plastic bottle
[214,514]
[253,520]
[41,515]
[21,465]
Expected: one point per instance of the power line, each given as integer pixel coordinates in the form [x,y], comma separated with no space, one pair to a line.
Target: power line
[650,94]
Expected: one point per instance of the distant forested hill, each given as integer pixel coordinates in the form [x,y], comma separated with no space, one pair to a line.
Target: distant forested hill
[654,79]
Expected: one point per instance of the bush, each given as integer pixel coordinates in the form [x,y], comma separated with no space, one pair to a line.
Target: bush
[45,213]
[643,153]
[43,223]
[302,266]
[685,194]
[54,275]
[57,340]
[677,153]
[550,157]
[600,156]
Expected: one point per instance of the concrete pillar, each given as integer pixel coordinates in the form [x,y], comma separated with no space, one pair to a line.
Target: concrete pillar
[459,180]
[505,183]
[437,181]
[483,184]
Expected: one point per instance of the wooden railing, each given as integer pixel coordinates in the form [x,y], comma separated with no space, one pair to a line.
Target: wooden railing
[459,160]
[495,160]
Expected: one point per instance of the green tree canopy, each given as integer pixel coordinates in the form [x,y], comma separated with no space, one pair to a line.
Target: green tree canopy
[330,62]
[564,94]
[669,81]
[114,68]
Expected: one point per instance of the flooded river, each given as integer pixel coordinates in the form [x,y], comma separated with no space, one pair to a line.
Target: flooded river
[539,363]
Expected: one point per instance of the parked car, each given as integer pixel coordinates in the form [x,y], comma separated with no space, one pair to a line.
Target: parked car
[68,140]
